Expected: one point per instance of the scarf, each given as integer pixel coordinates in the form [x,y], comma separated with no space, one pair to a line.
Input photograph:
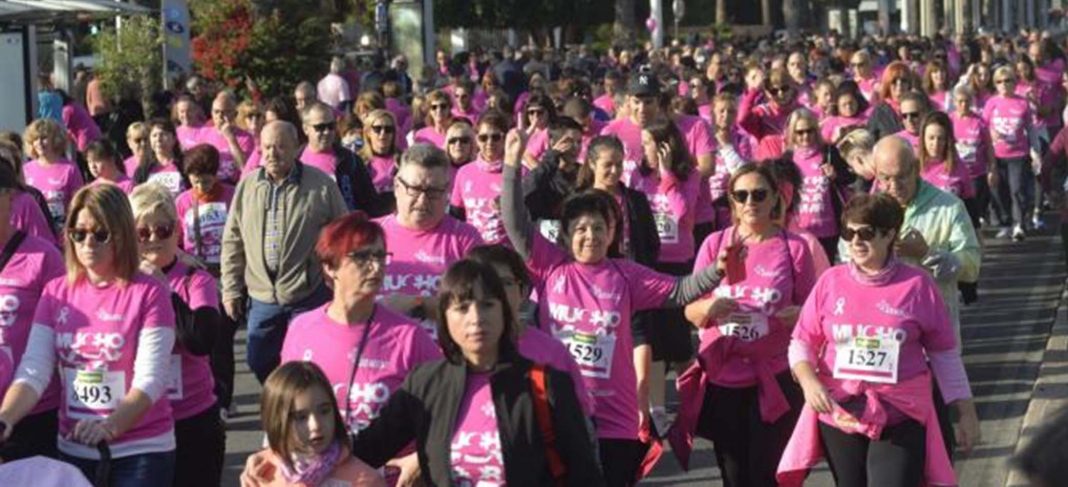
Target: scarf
[313,469]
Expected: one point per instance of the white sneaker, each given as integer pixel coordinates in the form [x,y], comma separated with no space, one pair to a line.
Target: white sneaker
[1004,232]
[1037,223]
[1018,233]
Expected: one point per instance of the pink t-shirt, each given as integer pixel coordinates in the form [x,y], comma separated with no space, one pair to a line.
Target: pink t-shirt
[96,333]
[939,100]
[698,135]
[815,212]
[778,273]
[869,87]
[907,308]
[80,125]
[673,203]
[189,136]
[191,388]
[606,103]
[475,451]
[913,140]
[588,307]
[972,142]
[427,135]
[630,134]
[538,144]
[229,172]
[830,128]
[211,214]
[58,182]
[34,263]
[124,183]
[382,169]
[1009,119]
[477,190]
[727,161]
[958,182]
[130,166]
[323,161]
[395,346]
[421,257]
[27,215]
[540,347]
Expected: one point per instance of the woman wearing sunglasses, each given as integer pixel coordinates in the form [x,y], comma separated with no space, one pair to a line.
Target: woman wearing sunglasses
[199,433]
[476,190]
[780,95]
[740,394]
[1016,148]
[537,114]
[353,253]
[439,117]
[865,76]
[110,331]
[380,151]
[885,119]
[869,337]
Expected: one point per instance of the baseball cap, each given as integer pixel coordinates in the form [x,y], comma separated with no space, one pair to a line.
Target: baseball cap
[643,84]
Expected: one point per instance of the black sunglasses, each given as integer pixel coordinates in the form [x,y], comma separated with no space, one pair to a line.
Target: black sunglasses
[866,234]
[804,131]
[744,195]
[161,232]
[79,235]
[382,129]
[779,90]
[496,137]
[910,115]
[459,140]
[323,127]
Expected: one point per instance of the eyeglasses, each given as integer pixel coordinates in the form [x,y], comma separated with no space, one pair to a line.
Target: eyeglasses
[805,131]
[910,115]
[414,191]
[364,258]
[458,140]
[323,127]
[161,232]
[744,195]
[80,235]
[382,129]
[866,234]
[439,107]
[496,137]
[778,90]
[535,112]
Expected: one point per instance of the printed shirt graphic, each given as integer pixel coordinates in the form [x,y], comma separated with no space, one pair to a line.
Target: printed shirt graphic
[1010,119]
[477,190]
[971,137]
[475,452]
[815,211]
[395,346]
[212,215]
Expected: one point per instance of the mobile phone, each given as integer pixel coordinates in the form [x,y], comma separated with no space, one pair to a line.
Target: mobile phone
[735,264]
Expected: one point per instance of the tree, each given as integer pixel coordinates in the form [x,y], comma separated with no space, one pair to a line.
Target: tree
[131,60]
[625,26]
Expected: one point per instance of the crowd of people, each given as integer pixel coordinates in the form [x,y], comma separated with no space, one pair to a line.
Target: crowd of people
[485,276]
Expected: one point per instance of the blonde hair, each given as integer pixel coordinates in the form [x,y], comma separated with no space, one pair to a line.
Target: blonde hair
[137,128]
[107,204]
[150,198]
[366,152]
[43,128]
[791,126]
[1004,71]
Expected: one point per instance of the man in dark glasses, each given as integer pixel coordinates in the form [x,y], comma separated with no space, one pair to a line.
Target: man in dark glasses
[274,223]
[323,152]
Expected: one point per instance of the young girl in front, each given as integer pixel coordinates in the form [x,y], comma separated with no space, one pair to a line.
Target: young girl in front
[307,444]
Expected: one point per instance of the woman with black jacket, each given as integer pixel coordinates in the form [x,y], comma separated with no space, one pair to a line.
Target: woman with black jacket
[885,119]
[547,186]
[484,413]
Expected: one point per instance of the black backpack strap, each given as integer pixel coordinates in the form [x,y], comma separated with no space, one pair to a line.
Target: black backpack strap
[10,248]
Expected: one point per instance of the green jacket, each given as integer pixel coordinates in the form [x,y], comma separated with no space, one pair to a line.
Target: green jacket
[954,254]
[309,200]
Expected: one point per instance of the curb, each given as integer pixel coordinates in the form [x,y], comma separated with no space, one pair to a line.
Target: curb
[1051,387]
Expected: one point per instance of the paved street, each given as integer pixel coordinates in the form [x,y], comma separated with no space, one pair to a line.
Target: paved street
[1006,336]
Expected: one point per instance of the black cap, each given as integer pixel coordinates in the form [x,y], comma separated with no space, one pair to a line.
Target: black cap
[644,84]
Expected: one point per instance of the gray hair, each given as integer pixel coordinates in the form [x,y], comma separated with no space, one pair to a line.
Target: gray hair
[425,156]
[317,106]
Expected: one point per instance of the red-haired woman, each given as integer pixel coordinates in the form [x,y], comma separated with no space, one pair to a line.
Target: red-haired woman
[885,119]
[365,349]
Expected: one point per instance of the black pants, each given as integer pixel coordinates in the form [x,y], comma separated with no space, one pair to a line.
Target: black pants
[895,460]
[620,461]
[222,361]
[747,449]
[1014,196]
[201,448]
[979,206]
[666,329]
[34,435]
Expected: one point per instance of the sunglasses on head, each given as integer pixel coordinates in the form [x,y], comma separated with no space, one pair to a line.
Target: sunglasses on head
[161,232]
[496,137]
[459,140]
[382,129]
[325,126]
[744,195]
[866,234]
[79,235]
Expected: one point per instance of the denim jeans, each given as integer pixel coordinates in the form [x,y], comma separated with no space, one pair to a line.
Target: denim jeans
[1014,197]
[267,325]
[155,469]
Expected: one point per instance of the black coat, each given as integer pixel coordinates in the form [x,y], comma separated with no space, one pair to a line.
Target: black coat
[884,122]
[425,410]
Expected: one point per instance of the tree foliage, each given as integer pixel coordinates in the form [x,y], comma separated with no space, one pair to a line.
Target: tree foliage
[131,59]
[276,46]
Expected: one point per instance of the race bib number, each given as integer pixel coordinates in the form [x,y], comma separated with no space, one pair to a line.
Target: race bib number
[93,393]
[667,228]
[174,386]
[746,327]
[593,353]
[169,179]
[966,151]
[867,359]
